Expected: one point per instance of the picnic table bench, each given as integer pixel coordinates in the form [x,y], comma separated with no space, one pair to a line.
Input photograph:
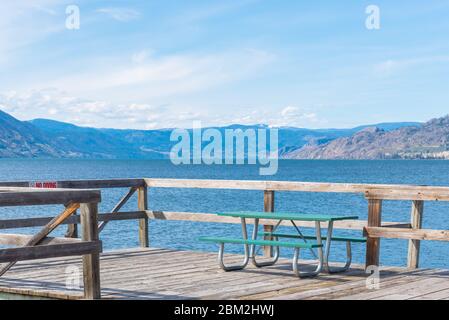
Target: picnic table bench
[316,242]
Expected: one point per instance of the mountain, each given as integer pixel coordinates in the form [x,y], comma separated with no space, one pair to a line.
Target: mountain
[107,143]
[427,141]
[156,144]
[291,140]
[53,139]
[21,139]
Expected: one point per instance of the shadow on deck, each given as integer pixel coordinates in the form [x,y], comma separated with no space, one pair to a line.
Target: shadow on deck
[169,274]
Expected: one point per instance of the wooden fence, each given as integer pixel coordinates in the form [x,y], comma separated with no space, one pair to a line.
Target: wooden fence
[40,246]
[374,228]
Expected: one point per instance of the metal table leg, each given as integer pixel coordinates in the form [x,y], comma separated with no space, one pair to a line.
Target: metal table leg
[327,268]
[246,250]
[320,256]
[252,253]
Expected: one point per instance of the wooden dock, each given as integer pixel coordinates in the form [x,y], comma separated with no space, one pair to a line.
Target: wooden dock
[38,265]
[148,273]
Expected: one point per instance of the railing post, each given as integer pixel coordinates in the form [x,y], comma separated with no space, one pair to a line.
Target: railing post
[374,220]
[91,262]
[142,198]
[268,206]
[414,245]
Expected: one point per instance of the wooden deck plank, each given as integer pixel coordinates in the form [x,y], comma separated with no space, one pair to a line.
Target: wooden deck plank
[411,283]
[149,273]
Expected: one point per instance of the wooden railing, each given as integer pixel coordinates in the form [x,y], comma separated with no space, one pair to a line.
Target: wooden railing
[374,228]
[41,246]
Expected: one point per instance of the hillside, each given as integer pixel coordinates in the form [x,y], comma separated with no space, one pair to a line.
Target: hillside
[43,138]
[21,139]
[428,141]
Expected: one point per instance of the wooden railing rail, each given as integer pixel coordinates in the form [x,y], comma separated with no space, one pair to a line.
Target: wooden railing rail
[374,228]
[40,246]
[374,193]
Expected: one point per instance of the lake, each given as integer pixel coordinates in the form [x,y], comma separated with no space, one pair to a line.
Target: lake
[183,235]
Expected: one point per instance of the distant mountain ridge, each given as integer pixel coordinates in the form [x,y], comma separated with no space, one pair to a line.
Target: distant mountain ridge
[22,139]
[43,138]
[427,141]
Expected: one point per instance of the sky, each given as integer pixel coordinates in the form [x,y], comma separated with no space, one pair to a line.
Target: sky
[164,64]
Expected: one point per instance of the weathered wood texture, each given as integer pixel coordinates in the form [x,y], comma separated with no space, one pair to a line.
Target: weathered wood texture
[45,231]
[375,191]
[399,233]
[410,192]
[49,251]
[84,184]
[91,262]
[72,229]
[179,216]
[414,245]
[142,203]
[22,240]
[373,244]
[213,218]
[268,206]
[42,221]
[167,274]
[32,197]
[18,193]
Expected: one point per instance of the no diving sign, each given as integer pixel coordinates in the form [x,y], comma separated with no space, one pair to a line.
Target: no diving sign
[44,184]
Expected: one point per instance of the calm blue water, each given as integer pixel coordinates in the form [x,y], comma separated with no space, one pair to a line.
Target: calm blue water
[183,235]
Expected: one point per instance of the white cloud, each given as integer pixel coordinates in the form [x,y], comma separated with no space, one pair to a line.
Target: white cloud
[146,77]
[120,14]
[289,111]
[295,116]
[58,105]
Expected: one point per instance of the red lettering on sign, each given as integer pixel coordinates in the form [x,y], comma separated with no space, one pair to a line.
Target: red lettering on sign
[44,184]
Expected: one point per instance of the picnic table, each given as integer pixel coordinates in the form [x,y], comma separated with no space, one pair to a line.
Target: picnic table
[310,242]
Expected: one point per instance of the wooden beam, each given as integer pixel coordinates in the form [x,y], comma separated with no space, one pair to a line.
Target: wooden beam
[85,184]
[37,238]
[47,196]
[72,229]
[375,191]
[42,221]
[414,245]
[232,184]
[268,205]
[91,262]
[49,251]
[396,225]
[142,202]
[399,233]
[22,240]
[118,206]
[214,218]
[372,243]
[182,216]
[415,194]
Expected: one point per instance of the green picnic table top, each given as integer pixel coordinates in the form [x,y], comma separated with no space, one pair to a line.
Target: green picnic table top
[287,216]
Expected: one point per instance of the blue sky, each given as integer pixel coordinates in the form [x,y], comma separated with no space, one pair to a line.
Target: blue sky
[153,64]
